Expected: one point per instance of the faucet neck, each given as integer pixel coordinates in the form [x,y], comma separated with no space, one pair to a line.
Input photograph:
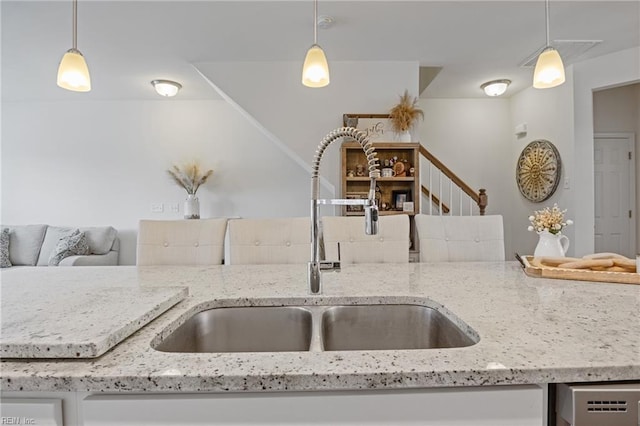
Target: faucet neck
[314,267]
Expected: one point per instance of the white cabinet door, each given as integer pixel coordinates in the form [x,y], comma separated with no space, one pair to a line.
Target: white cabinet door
[31,411]
[486,406]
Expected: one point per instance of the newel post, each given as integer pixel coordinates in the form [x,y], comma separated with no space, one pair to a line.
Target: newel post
[483,200]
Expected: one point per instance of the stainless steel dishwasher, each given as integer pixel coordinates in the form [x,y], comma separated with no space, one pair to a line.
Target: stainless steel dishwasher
[605,404]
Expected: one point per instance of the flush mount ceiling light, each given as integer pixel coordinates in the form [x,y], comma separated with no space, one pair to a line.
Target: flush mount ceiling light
[166,88]
[325,22]
[495,87]
[73,73]
[549,71]
[315,71]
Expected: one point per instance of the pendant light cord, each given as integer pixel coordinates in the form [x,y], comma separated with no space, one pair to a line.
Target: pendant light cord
[75,25]
[315,21]
[546,3]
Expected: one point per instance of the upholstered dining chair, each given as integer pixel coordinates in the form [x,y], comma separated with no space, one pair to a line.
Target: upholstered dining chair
[181,242]
[460,238]
[344,239]
[282,240]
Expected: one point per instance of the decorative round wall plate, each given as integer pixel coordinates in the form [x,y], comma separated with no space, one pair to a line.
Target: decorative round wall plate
[538,170]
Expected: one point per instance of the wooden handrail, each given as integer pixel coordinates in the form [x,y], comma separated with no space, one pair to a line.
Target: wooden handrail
[434,199]
[479,197]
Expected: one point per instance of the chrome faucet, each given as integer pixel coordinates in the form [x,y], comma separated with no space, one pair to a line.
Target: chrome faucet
[370,207]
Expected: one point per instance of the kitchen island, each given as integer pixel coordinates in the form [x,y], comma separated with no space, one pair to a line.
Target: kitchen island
[531,331]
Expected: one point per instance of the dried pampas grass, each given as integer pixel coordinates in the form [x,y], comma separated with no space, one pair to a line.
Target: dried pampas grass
[403,116]
[190,176]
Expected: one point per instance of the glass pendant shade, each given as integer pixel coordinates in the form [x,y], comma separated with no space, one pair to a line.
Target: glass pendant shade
[549,71]
[315,71]
[73,73]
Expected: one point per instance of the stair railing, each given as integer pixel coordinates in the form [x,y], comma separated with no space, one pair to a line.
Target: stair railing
[448,182]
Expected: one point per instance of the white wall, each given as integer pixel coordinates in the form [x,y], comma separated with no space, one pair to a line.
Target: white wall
[564,115]
[103,163]
[548,114]
[617,110]
[98,163]
[598,73]
[299,116]
[472,137]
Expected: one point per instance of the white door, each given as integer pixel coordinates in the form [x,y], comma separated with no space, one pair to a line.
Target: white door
[614,195]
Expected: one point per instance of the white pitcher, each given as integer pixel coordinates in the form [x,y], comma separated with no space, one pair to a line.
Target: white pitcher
[551,245]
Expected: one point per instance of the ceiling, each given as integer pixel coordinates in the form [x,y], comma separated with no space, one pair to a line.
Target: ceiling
[129,43]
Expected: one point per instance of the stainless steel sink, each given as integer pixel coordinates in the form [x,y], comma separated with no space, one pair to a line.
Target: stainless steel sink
[378,327]
[243,329]
[316,328]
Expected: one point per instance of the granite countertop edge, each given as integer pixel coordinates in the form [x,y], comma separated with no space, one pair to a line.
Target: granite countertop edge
[528,333]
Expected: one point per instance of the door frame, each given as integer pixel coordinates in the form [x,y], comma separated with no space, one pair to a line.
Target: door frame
[629,137]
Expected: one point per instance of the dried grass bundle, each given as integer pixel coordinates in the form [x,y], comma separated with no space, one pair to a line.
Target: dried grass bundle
[189,177]
[403,116]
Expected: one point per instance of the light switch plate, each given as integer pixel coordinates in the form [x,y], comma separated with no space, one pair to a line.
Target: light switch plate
[157,207]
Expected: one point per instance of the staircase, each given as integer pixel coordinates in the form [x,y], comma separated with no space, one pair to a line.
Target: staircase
[446,193]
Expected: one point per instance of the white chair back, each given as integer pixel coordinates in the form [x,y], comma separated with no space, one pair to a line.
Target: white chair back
[269,241]
[346,234]
[181,242]
[460,238]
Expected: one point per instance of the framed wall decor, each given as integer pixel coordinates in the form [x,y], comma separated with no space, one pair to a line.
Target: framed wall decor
[376,126]
[538,170]
[399,198]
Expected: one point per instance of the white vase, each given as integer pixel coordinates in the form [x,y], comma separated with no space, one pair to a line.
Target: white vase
[551,245]
[403,136]
[192,207]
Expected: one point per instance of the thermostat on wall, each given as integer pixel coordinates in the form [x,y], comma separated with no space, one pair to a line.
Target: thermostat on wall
[521,129]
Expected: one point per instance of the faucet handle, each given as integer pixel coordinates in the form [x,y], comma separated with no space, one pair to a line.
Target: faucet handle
[371,219]
[328,265]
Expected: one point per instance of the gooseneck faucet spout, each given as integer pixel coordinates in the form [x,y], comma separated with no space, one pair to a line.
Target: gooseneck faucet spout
[370,207]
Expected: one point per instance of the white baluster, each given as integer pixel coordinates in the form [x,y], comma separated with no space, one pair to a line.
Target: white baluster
[440,192]
[450,197]
[430,190]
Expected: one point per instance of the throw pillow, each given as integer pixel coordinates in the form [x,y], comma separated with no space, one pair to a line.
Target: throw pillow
[4,249]
[69,245]
[25,243]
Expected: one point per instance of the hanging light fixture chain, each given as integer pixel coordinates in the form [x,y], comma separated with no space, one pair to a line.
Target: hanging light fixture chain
[74,30]
[315,21]
[546,9]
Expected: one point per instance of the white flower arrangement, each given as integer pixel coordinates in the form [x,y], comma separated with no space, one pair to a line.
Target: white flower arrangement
[548,219]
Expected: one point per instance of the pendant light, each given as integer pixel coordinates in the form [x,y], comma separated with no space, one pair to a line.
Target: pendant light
[315,71]
[549,71]
[73,73]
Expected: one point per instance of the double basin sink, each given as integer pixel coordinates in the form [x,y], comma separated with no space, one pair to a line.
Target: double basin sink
[317,328]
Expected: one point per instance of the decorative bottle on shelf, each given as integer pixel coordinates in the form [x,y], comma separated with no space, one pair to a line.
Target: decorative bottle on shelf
[404,136]
[192,207]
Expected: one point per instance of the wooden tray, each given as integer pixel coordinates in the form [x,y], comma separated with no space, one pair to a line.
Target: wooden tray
[578,274]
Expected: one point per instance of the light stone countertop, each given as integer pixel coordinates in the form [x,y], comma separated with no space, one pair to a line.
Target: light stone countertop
[531,330]
[76,321]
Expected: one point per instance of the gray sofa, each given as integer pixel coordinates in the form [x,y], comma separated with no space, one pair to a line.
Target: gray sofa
[32,245]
